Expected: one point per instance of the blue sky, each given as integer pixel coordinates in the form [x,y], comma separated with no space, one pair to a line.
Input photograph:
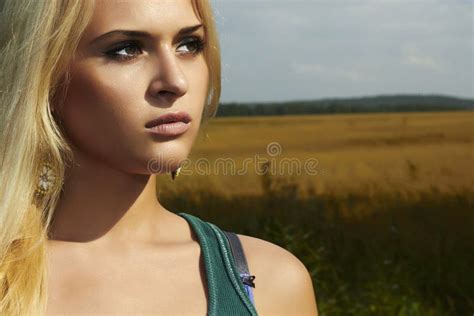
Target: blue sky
[278,50]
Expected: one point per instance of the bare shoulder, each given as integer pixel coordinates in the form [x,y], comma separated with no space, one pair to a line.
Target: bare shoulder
[283,285]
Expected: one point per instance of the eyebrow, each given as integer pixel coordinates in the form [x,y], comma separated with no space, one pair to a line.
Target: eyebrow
[183,31]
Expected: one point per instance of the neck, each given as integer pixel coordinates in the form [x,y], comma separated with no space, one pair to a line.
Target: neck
[102,204]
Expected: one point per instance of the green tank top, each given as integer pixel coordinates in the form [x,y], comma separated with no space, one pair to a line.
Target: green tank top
[226,293]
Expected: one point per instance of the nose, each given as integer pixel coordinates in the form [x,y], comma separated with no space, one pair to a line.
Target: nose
[170,82]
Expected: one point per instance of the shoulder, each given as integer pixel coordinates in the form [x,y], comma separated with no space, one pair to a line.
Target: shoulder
[283,285]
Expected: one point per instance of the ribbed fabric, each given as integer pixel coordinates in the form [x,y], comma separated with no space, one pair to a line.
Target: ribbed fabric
[226,293]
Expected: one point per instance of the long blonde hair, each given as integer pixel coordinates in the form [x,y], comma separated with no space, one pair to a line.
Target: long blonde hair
[37,41]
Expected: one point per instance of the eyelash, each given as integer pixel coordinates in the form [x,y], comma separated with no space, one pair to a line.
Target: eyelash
[112,54]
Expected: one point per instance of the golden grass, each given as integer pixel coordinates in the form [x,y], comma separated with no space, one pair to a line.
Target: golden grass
[380,151]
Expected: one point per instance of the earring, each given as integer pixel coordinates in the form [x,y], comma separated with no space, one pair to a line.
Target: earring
[47,179]
[175,173]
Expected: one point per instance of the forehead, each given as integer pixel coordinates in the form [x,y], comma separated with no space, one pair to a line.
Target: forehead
[155,16]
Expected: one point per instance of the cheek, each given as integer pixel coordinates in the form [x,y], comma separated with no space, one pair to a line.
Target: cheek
[195,99]
[101,112]
[198,86]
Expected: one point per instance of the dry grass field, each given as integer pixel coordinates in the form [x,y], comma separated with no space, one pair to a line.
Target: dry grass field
[352,152]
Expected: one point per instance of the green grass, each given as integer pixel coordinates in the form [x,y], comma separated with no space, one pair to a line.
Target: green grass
[378,254]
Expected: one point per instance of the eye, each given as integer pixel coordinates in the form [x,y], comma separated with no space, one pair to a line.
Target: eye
[195,45]
[125,51]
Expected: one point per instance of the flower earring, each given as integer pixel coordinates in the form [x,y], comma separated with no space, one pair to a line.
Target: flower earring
[175,173]
[47,179]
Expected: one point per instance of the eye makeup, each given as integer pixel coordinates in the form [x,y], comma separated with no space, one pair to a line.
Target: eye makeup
[129,49]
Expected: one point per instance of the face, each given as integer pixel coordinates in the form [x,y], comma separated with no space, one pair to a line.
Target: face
[120,81]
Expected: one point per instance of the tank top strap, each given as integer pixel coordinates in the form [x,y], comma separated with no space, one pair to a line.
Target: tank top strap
[227,294]
[238,255]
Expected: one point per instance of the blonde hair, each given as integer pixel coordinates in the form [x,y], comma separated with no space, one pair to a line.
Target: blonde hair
[37,41]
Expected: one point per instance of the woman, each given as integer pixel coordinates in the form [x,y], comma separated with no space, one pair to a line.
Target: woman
[84,87]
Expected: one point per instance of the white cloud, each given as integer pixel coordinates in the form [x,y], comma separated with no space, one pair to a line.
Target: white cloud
[424,62]
[412,55]
[330,73]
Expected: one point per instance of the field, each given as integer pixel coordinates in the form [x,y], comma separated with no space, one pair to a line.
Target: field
[379,207]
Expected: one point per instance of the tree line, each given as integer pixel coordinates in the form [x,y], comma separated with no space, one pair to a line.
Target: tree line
[379,103]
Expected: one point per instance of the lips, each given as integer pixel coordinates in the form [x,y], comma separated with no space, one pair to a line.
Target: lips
[170,117]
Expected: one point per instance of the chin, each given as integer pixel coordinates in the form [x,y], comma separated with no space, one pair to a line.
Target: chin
[165,159]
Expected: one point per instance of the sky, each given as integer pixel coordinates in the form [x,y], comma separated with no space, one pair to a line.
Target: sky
[280,50]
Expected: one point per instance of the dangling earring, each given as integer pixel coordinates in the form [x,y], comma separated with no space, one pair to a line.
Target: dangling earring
[47,179]
[175,173]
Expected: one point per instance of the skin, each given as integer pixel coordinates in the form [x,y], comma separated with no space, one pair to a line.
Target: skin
[113,247]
